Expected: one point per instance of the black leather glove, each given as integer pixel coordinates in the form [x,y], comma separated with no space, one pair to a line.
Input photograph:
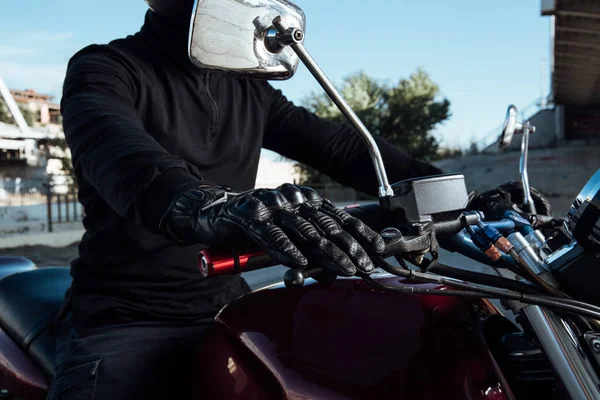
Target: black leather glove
[509,196]
[293,224]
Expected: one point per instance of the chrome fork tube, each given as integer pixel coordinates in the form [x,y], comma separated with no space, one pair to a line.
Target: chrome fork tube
[566,355]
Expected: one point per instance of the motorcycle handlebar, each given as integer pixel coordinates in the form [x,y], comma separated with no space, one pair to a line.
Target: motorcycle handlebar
[215,262]
[222,262]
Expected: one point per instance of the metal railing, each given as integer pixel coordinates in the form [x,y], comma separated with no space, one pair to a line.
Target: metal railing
[22,199]
[35,205]
[62,207]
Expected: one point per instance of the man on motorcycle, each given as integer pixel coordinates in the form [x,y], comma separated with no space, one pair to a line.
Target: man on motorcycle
[165,155]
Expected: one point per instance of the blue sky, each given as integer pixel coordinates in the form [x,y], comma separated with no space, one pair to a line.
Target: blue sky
[483,54]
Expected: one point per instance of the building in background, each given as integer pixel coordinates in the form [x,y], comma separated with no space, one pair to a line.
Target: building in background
[565,146]
[570,113]
[575,71]
[29,155]
[47,112]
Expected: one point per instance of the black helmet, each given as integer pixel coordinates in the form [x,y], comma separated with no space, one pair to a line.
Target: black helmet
[175,10]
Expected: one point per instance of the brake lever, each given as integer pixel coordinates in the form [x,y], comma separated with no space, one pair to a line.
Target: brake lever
[397,243]
[542,221]
[294,278]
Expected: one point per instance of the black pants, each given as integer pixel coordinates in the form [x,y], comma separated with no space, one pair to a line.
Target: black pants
[138,360]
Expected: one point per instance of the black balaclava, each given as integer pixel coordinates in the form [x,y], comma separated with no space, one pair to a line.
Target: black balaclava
[178,11]
[170,22]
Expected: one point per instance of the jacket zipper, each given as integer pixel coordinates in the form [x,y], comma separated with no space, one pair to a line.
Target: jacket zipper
[215,124]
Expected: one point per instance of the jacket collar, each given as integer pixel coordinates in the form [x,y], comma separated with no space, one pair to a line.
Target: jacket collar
[170,39]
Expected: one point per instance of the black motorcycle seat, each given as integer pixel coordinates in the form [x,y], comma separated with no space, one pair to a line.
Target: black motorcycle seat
[29,303]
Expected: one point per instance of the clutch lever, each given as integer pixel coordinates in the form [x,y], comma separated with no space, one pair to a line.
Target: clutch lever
[215,262]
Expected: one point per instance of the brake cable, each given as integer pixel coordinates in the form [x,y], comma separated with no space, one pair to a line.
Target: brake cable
[476,291]
[392,270]
[438,268]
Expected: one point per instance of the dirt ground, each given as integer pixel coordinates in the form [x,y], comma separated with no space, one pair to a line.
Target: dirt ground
[45,256]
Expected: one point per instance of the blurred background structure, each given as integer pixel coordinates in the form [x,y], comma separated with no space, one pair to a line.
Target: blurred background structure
[566,145]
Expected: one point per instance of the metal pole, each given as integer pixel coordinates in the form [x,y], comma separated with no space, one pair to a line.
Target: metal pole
[13,108]
[385,189]
[59,208]
[81,211]
[67,201]
[75,206]
[527,199]
[74,197]
[49,207]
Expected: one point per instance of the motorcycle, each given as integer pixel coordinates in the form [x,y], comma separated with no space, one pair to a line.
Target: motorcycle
[415,328]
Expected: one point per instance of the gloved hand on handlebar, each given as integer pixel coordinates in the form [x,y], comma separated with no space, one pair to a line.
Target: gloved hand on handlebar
[293,224]
[509,196]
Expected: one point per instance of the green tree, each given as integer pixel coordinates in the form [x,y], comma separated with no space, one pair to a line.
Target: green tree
[404,114]
[7,118]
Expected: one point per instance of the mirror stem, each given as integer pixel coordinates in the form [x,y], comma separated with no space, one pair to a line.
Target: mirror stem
[527,199]
[385,190]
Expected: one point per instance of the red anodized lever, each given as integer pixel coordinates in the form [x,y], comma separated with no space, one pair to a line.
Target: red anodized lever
[214,262]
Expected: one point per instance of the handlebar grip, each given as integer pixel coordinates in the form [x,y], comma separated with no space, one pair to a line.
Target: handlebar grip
[215,262]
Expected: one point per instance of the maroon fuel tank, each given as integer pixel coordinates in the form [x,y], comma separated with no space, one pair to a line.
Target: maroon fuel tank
[20,377]
[345,340]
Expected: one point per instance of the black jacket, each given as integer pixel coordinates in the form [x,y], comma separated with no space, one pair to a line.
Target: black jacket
[143,124]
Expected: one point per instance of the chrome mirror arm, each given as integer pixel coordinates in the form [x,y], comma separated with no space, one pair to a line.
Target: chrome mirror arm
[294,38]
[511,127]
[527,199]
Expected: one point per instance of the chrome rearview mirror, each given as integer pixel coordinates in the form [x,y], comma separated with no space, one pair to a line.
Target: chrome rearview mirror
[510,126]
[264,39]
[233,35]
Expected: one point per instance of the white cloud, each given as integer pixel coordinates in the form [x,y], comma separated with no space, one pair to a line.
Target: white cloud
[61,36]
[16,51]
[40,39]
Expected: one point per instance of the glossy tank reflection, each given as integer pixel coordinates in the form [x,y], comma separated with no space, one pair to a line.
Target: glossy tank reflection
[345,340]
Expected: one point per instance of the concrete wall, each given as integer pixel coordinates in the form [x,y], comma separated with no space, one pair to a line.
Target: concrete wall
[560,173]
